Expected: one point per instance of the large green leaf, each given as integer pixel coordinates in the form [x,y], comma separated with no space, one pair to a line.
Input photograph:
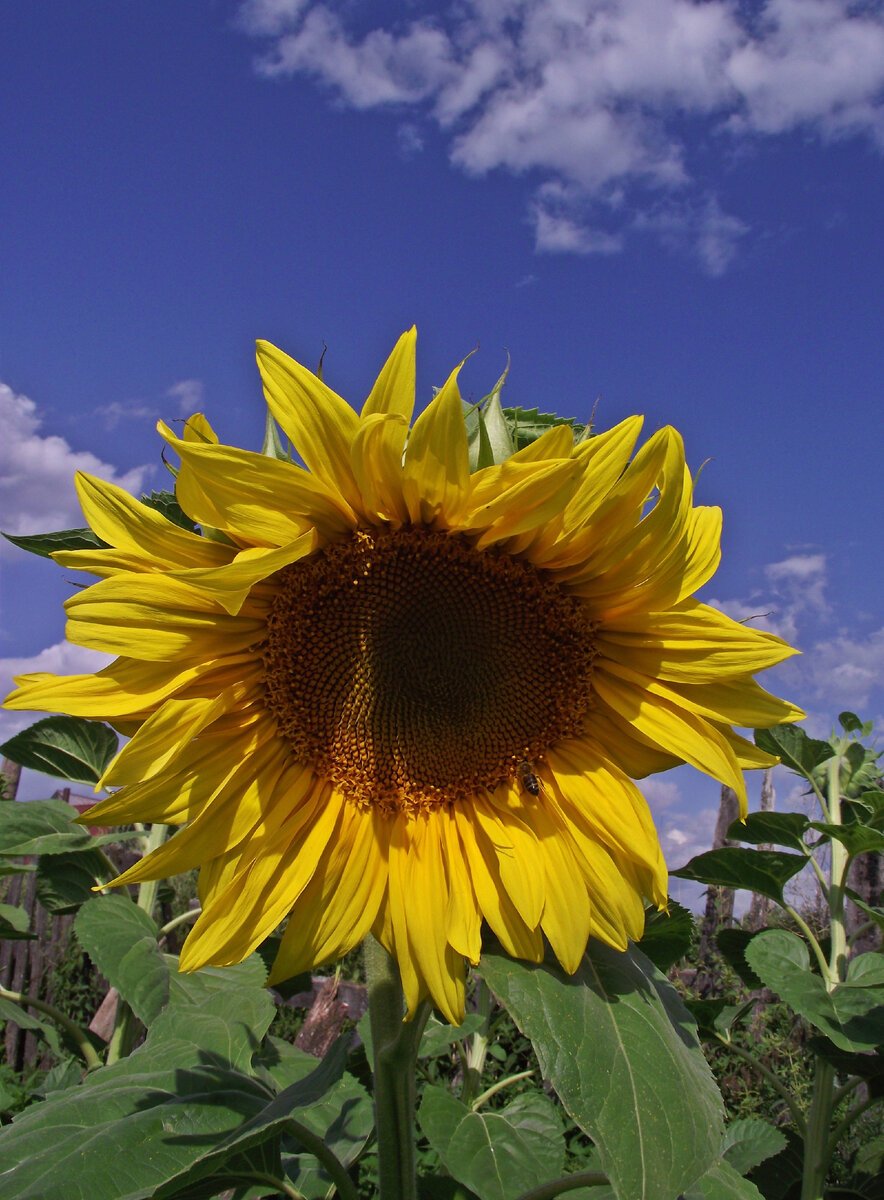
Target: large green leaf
[621,1051]
[40,827]
[121,939]
[66,747]
[216,1165]
[128,1128]
[794,747]
[498,1155]
[762,871]
[852,1015]
[773,828]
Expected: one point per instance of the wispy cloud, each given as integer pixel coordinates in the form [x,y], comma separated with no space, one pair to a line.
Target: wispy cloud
[37,472]
[117,411]
[188,395]
[603,98]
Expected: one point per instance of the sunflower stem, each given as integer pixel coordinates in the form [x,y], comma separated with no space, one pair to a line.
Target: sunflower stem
[394,1044]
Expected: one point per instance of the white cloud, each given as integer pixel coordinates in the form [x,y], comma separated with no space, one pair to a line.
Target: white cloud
[37,472]
[601,97]
[188,394]
[847,670]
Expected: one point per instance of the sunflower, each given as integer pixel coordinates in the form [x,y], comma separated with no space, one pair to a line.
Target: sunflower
[386,695]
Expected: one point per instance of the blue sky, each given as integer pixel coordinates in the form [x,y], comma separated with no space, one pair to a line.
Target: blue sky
[672,206]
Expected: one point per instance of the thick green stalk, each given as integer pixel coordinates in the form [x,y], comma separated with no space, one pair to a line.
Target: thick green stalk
[817,1151]
[394,1044]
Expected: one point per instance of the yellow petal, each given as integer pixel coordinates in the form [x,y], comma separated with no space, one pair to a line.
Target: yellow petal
[494,901]
[676,731]
[437,468]
[393,391]
[320,424]
[230,586]
[163,736]
[153,617]
[339,905]
[603,458]
[124,688]
[261,500]
[377,466]
[692,643]
[262,892]
[142,532]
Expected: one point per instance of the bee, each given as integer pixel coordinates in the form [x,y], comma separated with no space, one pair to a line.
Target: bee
[527,778]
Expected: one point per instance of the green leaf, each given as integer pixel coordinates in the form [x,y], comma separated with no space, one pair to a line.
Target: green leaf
[747,1143]
[216,1163]
[875,914]
[779,1177]
[668,936]
[166,503]
[496,427]
[15,923]
[867,1066]
[25,1019]
[438,1036]
[45,544]
[722,1182]
[852,1015]
[621,1051]
[859,839]
[130,1127]
[850,722]
[732,945]
[716,1016]
[66,747]
[40,827]
[762,871]
[121,939]
[65,881]
[794,748]
[771,828]
[500,1154]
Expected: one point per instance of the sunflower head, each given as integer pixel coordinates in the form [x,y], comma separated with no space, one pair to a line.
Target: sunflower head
[392,694]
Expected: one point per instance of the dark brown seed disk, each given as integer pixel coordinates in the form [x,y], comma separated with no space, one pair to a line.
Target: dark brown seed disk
[411,669]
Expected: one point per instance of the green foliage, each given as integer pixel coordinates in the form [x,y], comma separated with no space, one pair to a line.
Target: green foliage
[67,747]
[562,1075]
